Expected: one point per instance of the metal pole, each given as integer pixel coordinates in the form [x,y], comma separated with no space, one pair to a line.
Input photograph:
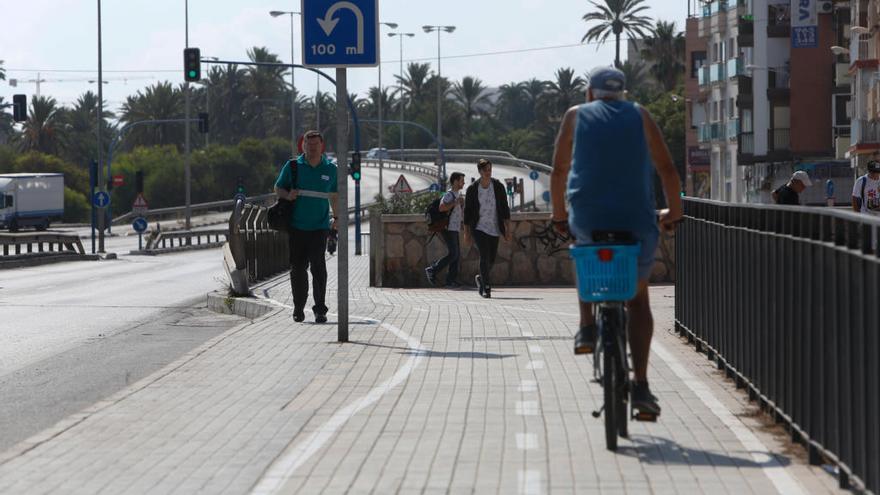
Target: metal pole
[439,110]
[381,128]
[186,166]
[292,93]
[208,110]
[400,102]
[318,106]
[342,206]
[101,177]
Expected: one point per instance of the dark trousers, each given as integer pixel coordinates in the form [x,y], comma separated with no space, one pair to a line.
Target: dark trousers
[453,252]
[307,249]
[487,245]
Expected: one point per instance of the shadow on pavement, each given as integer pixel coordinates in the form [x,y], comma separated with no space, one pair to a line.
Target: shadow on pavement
[521,338]
[659,450]
[460,355]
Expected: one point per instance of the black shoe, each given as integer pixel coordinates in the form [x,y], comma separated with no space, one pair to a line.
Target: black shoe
[479,282]
[487,292]
[585,340]
[643,400]
[432,277]
[298,315]
[320,318]
[453,285]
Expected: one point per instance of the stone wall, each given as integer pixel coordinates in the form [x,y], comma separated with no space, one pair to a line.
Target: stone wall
[400,250]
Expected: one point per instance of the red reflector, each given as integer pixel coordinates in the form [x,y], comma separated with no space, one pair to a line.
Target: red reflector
[605,255]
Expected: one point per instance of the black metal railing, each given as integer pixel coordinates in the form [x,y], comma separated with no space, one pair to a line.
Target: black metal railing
[785,299]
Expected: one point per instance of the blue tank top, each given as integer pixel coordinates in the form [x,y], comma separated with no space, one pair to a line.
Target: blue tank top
[611,183]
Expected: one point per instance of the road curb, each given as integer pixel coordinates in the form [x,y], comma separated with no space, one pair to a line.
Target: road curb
[248,307]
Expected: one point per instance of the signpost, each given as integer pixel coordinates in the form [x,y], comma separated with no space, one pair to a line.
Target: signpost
[434,187]
[546,197]
[101,199]
[118,180]
[402,185]
[534,176]
[139,225]
[341,34]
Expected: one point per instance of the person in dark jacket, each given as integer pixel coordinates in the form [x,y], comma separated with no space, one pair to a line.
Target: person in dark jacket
[486,219]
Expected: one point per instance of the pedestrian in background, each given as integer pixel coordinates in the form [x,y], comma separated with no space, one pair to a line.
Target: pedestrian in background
[451,203]
[866,191]
[313,194]
[789,194]
[486,217]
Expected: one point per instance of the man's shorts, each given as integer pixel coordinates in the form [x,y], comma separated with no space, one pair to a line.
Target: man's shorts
[648,241]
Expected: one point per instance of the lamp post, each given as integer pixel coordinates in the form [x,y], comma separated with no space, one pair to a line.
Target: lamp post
[438,29]
[100,174]
[187,169]
[392,25]
[276,13]
[400,81]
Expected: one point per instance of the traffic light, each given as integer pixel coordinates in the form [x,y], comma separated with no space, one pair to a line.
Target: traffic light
[203,123]
[19,108]
[192,64]
[355,167]
[510,185]
[239,189]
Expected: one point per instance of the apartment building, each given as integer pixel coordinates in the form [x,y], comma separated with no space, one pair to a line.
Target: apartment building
[765,99]
[862,55]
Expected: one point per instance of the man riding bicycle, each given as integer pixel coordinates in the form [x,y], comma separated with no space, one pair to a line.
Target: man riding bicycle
[607,150]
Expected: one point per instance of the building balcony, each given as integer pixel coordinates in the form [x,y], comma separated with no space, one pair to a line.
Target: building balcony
[867,51]
[867,133]
[779,21]
[778,87]
[732,129]
[719,6]
[841,74]
[745,36]
[717,73]
[708,132]
[735,67]
[703,75]
[747,143]
[779,139]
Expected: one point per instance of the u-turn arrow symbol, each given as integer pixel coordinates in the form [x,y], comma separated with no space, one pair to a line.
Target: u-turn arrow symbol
[328,23]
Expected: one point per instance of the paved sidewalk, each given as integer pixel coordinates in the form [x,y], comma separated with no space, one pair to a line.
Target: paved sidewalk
[438,392]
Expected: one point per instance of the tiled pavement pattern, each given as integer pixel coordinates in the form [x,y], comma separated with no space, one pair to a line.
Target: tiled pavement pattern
[494,403]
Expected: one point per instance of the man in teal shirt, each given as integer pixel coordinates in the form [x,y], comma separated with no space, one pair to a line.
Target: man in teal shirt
[313,194]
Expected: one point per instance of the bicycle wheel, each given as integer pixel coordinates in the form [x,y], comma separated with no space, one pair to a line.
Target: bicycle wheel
[610,378]
[623,397]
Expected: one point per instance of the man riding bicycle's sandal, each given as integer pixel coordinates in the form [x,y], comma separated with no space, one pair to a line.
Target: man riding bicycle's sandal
[603,174]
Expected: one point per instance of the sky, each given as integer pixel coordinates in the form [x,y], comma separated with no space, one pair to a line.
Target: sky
[143,41]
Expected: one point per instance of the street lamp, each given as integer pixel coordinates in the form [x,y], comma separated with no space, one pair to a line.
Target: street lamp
[400,81]
[277,13]
[392,25]
[431,29]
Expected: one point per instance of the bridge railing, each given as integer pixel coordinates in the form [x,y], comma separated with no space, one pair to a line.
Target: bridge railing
[186,239]
[787,301]
[27,243]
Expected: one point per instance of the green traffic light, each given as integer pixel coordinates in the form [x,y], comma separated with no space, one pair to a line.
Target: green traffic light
[356,176]
[192,73]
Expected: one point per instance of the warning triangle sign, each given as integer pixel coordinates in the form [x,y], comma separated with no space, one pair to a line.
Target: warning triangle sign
[139,202]
[401,186]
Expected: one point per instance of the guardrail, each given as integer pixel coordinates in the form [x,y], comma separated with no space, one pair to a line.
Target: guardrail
[430,171]
[495,156]
[785,300]
[26,249]
[185,240]
[253,251]
[160,213]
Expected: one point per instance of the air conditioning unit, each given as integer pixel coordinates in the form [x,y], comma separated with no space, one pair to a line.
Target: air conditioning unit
[825,6]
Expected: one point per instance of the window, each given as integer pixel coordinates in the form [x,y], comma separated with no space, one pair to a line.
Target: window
[746,124]
[8,201]
[731,46]
[698,60]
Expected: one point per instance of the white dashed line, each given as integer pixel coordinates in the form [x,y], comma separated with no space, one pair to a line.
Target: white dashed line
[528,386]
[526,441]
[527,333]
[535,349]
[527,408]
[529,482]
[535,365]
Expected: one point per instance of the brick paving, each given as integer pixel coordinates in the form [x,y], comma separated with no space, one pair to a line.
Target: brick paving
[489,400]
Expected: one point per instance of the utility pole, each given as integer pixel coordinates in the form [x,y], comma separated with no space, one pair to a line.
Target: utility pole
[342,205]
[186,165]
[102,179]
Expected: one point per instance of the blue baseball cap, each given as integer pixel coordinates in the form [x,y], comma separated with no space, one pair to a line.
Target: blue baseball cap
[607,79]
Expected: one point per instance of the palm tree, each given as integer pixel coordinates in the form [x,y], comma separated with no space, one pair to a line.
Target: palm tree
[41,131]
[79,124]
[666,51]
[265,107]
[533,90]
[638,83]
[566,90]
[2,71]
[617,17]
[161,101]
[512,106]
[415,83]
[471,95]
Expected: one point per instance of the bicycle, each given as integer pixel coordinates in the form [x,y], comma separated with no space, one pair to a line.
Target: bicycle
[607,275]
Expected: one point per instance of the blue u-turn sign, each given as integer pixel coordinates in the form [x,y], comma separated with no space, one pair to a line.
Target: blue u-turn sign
[340,33]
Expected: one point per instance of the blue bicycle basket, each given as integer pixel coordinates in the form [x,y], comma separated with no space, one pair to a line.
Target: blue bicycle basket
[606,272]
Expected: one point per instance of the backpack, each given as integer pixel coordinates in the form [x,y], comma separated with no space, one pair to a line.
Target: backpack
[437,220]
[278,215]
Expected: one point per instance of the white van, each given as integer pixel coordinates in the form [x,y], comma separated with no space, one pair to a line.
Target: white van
[31,200]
